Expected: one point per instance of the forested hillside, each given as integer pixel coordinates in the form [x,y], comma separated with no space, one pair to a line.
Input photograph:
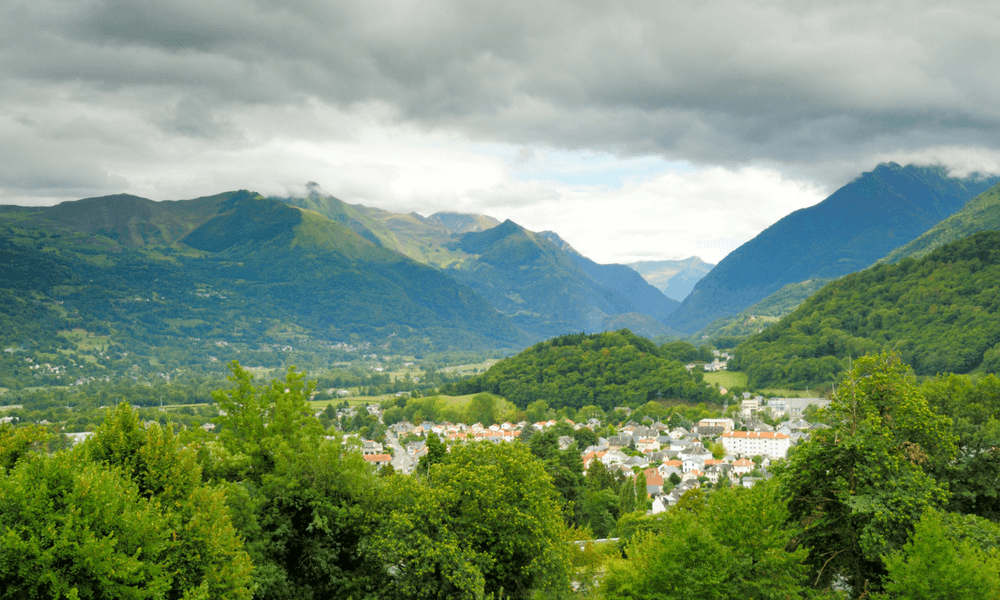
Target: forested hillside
[604,370]
[856,226]
[941,313]
[982,213]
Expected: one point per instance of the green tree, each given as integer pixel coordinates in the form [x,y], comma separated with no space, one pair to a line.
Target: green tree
[204,554]
[436,452]
[859,487]
[934,565]
[75,529]
[709,548]
[501,504]
[483,409]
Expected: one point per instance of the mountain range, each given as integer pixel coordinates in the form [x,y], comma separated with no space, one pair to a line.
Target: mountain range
[854,227]
[234,273]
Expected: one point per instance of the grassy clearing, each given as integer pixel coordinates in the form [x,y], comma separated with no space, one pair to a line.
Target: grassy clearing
[727,379]
[84,340]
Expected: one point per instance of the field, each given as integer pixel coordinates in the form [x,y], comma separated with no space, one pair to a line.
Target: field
[726,379]
[730,380]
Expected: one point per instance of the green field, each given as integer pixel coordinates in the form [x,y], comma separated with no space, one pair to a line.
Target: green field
[727,379]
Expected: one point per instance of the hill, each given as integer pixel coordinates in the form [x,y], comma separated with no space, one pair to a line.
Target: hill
[857,225]
[982,213]
[941,313]
[186,283]
[603,369]
[675,278]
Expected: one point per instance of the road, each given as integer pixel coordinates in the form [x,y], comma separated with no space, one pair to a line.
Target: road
[401,461]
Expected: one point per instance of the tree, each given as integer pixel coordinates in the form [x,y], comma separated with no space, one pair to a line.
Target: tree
[204,552]
[75,529]
[500,503]
[483,409]
[858,488]
[436,452]
[708,548]
[934,565]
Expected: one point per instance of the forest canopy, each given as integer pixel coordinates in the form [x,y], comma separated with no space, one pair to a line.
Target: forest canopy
[941,313]
[603,369]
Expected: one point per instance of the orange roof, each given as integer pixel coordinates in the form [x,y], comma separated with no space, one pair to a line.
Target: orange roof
[673,463]
[743,463]
[378,457]
[766,435]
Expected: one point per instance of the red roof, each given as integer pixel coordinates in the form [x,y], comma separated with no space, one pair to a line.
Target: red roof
[766,435]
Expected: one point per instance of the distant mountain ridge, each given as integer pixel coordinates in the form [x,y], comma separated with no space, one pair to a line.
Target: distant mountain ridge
[494,259]
[850,230]
[640,295]
[675,278]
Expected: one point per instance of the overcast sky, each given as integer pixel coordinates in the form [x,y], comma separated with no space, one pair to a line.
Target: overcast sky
[635,130]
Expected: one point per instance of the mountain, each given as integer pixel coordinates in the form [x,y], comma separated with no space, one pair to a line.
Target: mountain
[537,285]
[463,223]
[982,213]
[675,278]
[229,275]
[854,227]
[630,285]
[497,264]
[940,312]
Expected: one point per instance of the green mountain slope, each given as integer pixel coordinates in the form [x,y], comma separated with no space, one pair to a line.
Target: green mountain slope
[982,213]
[224,276]
[540,287]
[856,226]
[519,272]
[604,369]
[764,313]
[942,313]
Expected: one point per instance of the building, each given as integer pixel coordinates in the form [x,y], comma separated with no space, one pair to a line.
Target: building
[754,443]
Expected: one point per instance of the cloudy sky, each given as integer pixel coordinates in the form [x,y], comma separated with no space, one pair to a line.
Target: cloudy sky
[636,130]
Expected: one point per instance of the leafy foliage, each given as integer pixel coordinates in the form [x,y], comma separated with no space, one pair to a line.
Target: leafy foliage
[936,565]
[858,488]
[730,545]
[603,370]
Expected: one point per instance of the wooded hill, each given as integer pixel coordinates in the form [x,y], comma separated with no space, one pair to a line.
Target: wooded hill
[604,370]
[941,313]
[857,225]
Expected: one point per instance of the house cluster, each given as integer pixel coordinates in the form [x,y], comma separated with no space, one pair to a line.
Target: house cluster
[793,408]
[681,457]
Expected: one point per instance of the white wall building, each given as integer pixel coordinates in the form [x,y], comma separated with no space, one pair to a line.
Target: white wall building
[753,443]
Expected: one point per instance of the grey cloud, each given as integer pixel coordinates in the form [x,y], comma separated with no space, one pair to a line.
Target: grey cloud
[795,84]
